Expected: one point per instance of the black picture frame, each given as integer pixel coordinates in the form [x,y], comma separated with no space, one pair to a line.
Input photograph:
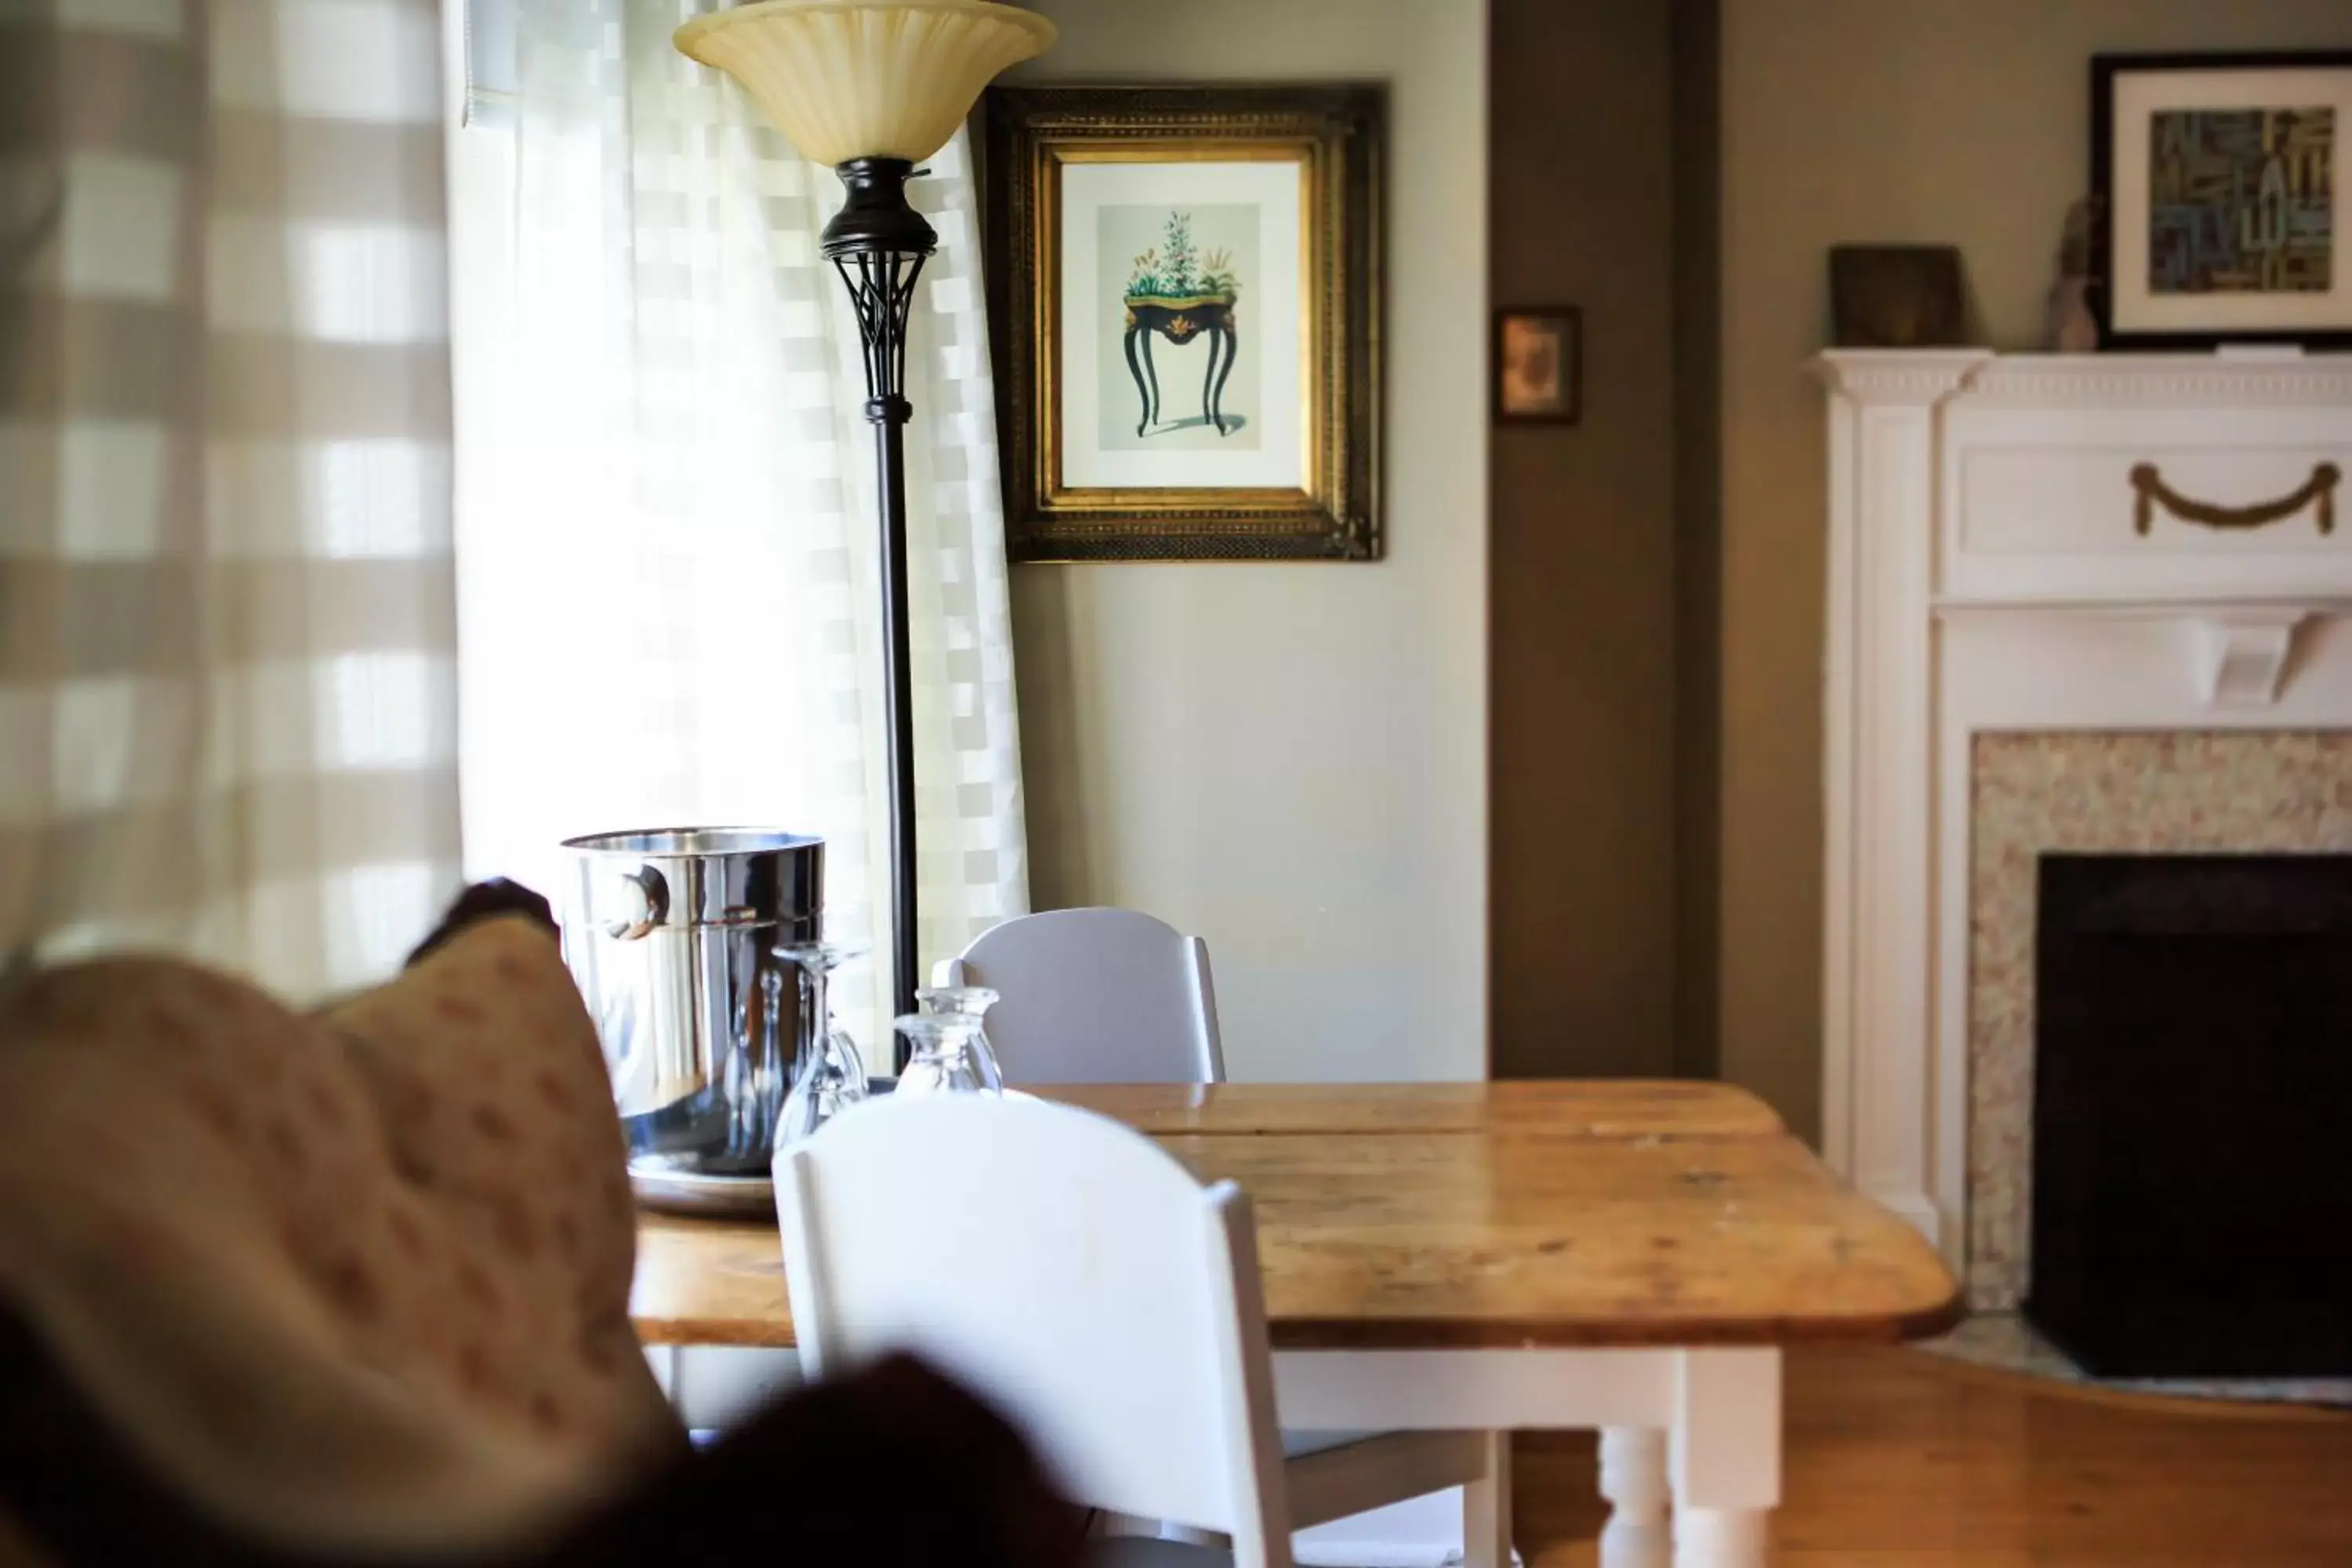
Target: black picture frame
[2105,69]
[1565,324]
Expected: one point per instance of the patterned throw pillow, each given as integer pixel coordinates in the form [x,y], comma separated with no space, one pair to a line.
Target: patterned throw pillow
[356,1279]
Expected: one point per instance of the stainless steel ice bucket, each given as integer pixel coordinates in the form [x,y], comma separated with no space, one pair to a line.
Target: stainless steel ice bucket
[671,935]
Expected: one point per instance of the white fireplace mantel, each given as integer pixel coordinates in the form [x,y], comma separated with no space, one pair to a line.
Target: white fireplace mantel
[2039,543]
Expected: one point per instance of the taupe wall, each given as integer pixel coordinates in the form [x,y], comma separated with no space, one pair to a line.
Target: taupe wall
[1290,760]
[1697,98]
[1583,571]
[1963,121]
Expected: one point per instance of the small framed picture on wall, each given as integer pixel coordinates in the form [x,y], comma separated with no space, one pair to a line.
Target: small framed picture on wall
[1538,366]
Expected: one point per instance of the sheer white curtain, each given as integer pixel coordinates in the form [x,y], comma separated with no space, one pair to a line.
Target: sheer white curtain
[667,567]
[227,693]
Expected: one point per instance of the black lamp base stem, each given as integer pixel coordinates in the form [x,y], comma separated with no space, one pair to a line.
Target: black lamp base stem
[877,242]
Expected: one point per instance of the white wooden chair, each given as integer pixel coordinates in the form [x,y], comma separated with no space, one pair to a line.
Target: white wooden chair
[1067,1269]
[1104,995]
[1096,996]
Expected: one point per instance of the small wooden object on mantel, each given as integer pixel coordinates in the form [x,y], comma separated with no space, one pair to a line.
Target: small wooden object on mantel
[1896,297]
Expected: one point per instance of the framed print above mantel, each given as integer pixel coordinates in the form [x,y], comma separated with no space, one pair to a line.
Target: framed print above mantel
[1184,303]
[2220,177]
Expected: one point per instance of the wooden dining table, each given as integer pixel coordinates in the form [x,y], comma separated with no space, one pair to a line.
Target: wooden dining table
[1625,1256]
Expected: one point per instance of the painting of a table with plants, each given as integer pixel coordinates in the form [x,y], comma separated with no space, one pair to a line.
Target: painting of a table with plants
[1186,296]
[1185,306]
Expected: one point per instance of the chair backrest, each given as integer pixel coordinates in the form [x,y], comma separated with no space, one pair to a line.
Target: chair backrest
[1096,996]
[1067,1269]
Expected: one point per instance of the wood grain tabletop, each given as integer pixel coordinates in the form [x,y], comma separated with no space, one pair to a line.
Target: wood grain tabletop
[1502,1214]
[1615,1108]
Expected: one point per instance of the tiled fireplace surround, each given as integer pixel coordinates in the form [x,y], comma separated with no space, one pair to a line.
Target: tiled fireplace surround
[2014,667]
[2175,792]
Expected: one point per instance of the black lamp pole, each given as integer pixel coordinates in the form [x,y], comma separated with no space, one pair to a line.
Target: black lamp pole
[877,242]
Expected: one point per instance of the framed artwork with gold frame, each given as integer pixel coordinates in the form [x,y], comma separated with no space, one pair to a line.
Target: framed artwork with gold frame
[1185,302]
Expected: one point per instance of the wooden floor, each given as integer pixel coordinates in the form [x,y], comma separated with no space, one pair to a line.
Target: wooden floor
[1897,1459]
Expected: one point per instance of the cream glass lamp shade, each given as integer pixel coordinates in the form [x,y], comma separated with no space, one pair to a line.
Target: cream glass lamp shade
[866,78]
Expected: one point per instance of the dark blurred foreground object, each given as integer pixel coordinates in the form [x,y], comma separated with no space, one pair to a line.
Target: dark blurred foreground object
[893,1468]
[481,902]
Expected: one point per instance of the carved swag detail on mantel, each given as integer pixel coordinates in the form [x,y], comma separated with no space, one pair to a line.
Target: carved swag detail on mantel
[2318,492]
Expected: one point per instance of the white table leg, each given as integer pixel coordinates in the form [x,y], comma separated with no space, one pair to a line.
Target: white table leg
[1721,1537]
[1634,1481]
[1719,1408]
[1724,1456]
[1487,1507]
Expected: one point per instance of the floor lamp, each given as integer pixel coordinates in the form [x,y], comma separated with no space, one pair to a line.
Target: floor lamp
[873,88]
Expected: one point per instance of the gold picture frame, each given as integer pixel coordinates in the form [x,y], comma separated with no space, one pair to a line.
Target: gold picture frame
[1283,465]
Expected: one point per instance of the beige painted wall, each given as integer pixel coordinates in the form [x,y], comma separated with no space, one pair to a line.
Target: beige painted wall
[1870,120]
[1290,760]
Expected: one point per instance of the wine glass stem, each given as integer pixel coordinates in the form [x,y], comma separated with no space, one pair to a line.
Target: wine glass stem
[814,1021]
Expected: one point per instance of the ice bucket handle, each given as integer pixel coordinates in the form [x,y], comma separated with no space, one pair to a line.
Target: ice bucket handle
[640,904]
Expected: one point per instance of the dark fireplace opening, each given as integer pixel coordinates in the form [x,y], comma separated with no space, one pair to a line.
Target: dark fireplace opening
[2193,1114]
